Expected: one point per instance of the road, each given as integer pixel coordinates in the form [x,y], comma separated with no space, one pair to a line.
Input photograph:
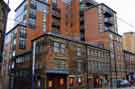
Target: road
[117,88]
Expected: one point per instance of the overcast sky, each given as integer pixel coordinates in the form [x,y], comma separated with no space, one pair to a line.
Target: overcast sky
[124,8]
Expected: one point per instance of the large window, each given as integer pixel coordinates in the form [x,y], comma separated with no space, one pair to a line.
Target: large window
[78,51]
[79,66]
[56,47]
[22,38]
[32,13]
[44,23]
[62,48]
[22,43]
[31,23]
[23,33]
[59,48]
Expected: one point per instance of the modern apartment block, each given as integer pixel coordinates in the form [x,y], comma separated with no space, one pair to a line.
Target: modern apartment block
[129,41]
[43,16]
[100,29]
[62,63]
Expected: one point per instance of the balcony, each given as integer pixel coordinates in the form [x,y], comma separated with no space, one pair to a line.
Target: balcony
[81,20]
[81,13]
[56,14]
[107,12]
[108,22]
[81,27]
[56,23]
[82,36]
[90,2]
[54,5]
[107,29]
[33,6]
[55,30]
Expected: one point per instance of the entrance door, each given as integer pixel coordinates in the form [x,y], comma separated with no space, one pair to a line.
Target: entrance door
[56,81]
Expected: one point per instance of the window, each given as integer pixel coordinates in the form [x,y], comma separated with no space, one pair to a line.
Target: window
[61,81]
[22,33]
[31,22]
[54,1]
[22,43]
[79,66]
[13,54]
[50,83]
[60,63]
[62,48]
[14,44]
[68,2]
[79,80]
[56,47]
[33,13]
[88,51]
[71,81]
[33,4]
[42,7]
[78,51]
[44,23]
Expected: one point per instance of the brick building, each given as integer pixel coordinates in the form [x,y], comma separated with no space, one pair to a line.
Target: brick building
[129,41]
[100,29]
[68,20]
[63,63]
[130,64]
[4,10]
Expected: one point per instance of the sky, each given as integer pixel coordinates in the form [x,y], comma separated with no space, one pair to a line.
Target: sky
[124,8]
